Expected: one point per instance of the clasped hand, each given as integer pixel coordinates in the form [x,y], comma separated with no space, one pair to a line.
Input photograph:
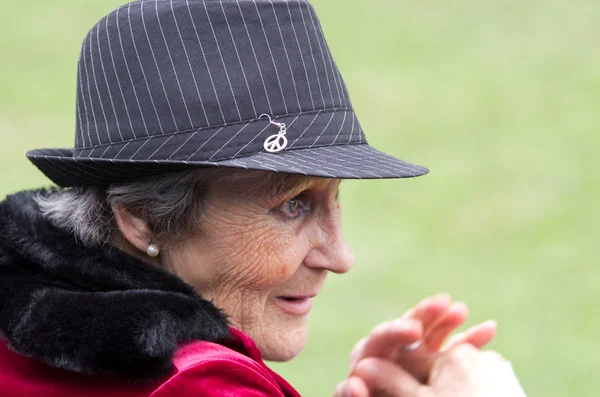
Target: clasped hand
[409,356]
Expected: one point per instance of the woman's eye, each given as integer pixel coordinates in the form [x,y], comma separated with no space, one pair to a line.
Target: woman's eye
[295,207]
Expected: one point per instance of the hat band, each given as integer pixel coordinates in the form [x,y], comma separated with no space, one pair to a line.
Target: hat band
[304,130]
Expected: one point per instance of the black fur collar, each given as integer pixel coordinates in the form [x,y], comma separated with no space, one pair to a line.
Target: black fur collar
[92,310]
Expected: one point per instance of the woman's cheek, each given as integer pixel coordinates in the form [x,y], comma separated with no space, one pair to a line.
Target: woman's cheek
[275,257]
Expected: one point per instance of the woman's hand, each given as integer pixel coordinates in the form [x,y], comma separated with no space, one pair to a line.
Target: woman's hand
[429,323]
[462,371]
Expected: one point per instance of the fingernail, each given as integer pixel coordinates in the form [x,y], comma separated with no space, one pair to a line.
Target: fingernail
[406,324]
[492,323]
[442,295]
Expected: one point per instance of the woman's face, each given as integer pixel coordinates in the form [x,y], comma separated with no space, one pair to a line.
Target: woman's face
[262,256]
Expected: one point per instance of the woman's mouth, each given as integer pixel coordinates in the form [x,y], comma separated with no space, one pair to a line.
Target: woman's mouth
[295,305]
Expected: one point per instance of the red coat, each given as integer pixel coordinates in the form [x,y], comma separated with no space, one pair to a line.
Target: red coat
[200,369]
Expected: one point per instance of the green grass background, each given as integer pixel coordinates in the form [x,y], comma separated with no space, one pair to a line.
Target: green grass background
[499,98]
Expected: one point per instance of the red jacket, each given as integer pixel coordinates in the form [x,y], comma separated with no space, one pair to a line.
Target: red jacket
[200,369]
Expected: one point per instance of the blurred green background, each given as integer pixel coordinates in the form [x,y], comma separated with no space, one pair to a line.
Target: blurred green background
[499,99]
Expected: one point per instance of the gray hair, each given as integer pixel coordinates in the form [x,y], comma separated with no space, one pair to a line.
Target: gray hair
[171,204]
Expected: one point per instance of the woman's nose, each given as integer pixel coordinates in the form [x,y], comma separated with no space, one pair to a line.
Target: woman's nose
[331,251]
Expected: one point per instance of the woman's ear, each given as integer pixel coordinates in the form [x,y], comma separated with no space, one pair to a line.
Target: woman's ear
[133,229]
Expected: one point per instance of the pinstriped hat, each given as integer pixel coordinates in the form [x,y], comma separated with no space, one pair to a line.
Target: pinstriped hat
[165,85]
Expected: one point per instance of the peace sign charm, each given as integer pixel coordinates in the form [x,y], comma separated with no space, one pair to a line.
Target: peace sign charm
[278,142]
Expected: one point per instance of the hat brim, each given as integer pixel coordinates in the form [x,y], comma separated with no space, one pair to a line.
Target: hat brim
[358,161]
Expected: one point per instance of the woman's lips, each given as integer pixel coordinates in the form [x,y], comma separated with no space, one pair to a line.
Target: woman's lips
[298,306]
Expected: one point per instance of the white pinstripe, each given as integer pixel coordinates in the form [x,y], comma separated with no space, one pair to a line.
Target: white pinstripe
[99,172]
[96,84]
[272,57]
[329,56]
[338,78]
[255,58]
[263,165]
[222,61]
[79,132]
[78,162]
[240,61]
[103,153]
[341,126]
[311,14]
[306,129]
[50,161]
[385,162]
[352,129]
[87,77]
[391,160]
[205,142]
[161,146]
[190,65]
[280,161]
[354,171]
[116,75]
[311,51]
[174,70]
[143,72]
[286,55]
[367,157]
[80,89]
[344,90]
[184,143]
[93,150]
[206,62]
[300,53]
[234,162]
[129,73]
[324,129]
[104,170]
[230,139]
[140,148]
[123,148]
[252,140]
[107,86]
[361,162]
[314,163]
[55,166]
[162,83]
[286,160]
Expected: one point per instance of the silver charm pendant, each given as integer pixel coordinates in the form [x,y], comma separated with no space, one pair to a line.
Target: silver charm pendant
[278,142]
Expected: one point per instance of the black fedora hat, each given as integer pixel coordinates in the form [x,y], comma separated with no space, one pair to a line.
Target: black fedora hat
[172,84]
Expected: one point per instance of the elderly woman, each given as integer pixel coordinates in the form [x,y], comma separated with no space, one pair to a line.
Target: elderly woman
[197,217]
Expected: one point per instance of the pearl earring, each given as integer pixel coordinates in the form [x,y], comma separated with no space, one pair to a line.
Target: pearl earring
[152,250]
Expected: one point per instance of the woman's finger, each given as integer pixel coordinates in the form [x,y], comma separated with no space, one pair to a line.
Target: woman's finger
[358,351]
[382,377]
[430,309]
[386,338]
[351,387]
[478,335]
[455,317]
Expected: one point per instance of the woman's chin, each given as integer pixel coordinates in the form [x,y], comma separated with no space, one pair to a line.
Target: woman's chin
[283,344]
